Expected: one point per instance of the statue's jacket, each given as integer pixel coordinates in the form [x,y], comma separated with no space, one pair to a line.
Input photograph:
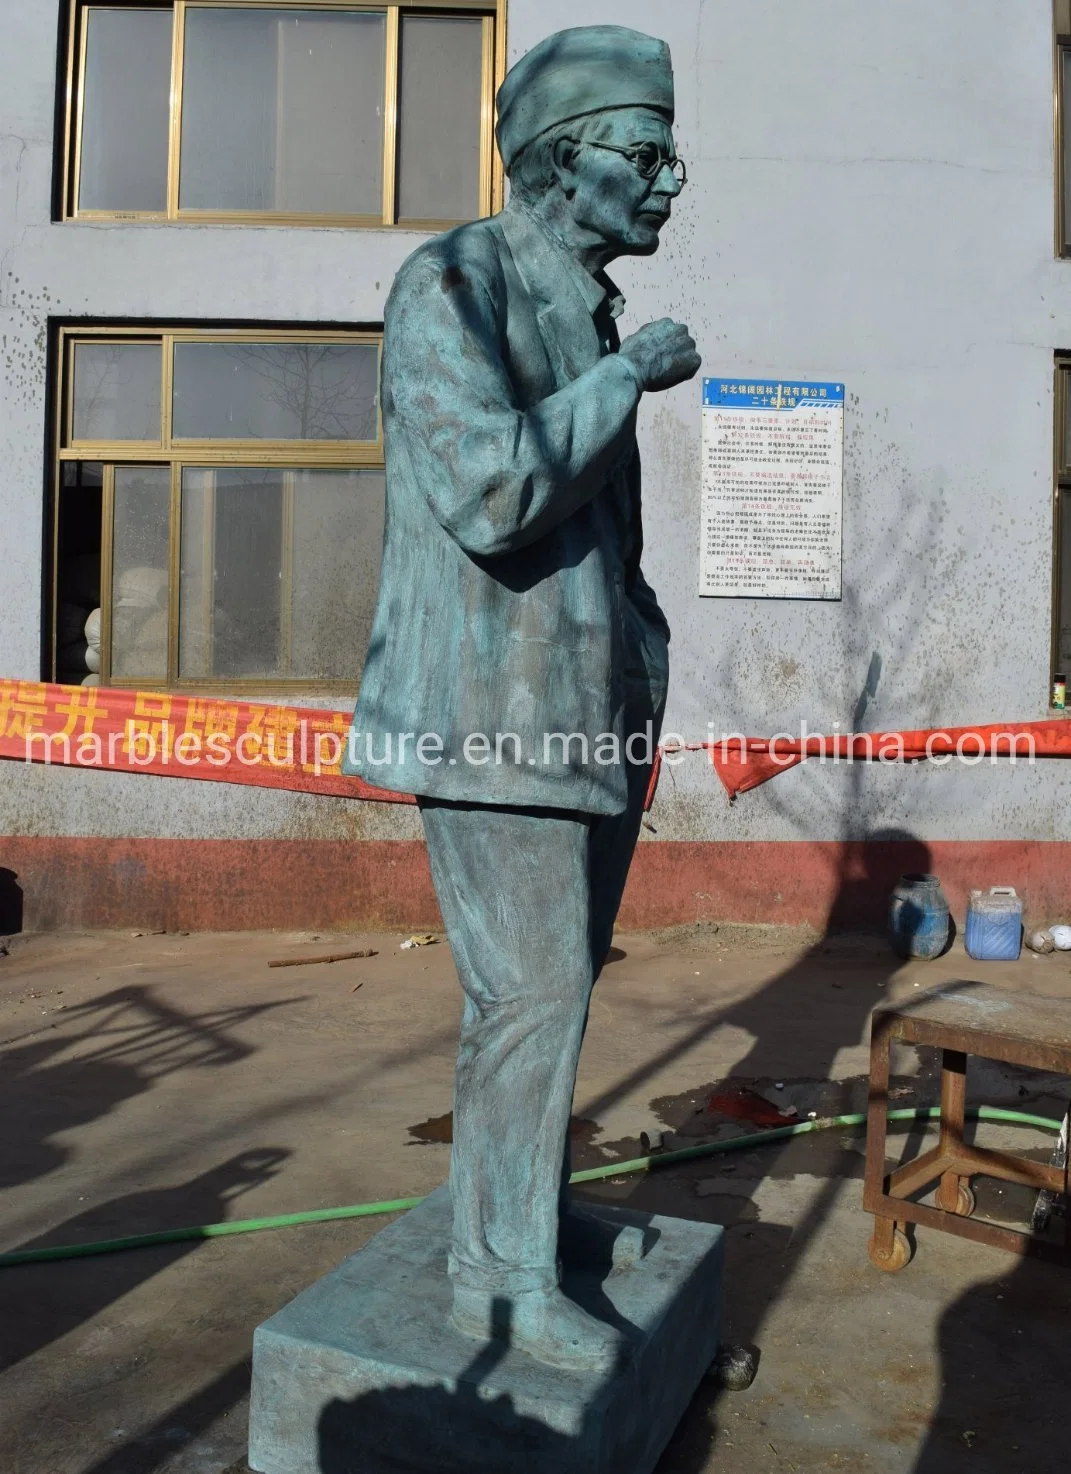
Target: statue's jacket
[511,604]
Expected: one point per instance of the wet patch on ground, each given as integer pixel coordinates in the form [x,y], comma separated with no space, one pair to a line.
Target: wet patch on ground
[438,1130]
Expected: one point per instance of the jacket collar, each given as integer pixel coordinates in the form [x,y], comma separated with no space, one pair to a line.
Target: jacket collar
[567,297]
[528,236]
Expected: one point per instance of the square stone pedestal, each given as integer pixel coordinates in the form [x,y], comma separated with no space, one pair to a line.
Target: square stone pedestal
[363,1373]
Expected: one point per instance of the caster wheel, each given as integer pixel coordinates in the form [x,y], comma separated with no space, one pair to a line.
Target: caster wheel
[899,1256]
[1043,1211]
[962,1202]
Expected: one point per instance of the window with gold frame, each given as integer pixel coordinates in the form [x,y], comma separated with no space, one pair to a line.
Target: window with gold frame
[283,111]
[218,508]
[1062,116]
[1061,569]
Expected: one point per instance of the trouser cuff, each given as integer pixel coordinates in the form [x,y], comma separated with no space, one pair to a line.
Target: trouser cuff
[494,1276]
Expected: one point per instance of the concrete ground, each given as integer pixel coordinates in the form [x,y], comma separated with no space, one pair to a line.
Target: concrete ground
[160,1081]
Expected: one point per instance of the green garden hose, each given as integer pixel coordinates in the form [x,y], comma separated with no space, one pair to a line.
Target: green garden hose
[593,1174]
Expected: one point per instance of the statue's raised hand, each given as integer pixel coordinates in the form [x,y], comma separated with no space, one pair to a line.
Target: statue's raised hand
[662,353]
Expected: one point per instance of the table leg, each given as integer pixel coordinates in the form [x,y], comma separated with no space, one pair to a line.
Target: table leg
[1047,1199]
[877,1116]
[889,1247]
[954,1193]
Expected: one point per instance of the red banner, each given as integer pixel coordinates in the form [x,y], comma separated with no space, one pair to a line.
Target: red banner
[300,748]
[293,747]
[744,762]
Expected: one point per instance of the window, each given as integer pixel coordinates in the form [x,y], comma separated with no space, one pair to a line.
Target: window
[1062,23]
[227,110]
[218,514]
[1061,622]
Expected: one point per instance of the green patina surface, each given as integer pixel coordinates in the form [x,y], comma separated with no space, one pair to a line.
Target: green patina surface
[517,670]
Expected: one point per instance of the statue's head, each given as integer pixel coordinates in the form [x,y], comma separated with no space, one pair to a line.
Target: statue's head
[584,126]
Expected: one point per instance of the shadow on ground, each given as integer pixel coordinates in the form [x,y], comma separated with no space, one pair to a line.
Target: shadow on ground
[155,1445]
[1005,1370]
[46,1301]
[98,1055]
[95,1056]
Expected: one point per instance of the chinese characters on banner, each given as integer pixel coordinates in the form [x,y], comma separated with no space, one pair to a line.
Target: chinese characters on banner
[212,738]
[771,489]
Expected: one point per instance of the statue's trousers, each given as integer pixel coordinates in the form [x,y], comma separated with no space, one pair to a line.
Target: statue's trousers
[528,897]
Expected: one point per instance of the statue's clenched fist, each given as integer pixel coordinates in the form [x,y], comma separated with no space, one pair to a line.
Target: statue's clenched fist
[663,354]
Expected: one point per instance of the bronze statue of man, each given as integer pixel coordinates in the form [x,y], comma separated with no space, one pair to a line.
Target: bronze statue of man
[517,669]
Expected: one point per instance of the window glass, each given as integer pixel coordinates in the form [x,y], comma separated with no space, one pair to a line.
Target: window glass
[117,391]
[237,109]
[276,547]
[79,517]
[275,391]
[337,542]
[231,569]
[140,541]
[1063,612]
[283,111]
[125,110]
[279,572]
[439,118]
[1065,120]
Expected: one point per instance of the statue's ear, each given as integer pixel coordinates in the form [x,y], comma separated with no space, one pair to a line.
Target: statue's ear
[563,160]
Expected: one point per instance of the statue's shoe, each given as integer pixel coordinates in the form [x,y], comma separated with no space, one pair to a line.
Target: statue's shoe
[544,1323]
[586,1241]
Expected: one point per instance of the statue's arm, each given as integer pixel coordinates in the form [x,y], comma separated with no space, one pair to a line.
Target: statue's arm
[496,476]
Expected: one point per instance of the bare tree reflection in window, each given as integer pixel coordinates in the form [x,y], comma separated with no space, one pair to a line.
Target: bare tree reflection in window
[117,391]
[275,391]
[298,382]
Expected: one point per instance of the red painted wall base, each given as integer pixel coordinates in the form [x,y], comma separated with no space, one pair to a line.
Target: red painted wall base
[235,885]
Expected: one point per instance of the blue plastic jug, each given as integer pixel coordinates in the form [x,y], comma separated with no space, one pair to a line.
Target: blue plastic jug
[918,917]
[994,925]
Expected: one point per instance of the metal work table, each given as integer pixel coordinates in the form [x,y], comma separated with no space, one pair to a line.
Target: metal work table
[960,1018]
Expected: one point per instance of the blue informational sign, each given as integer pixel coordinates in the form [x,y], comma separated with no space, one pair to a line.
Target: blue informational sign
[772,472]
[768,393]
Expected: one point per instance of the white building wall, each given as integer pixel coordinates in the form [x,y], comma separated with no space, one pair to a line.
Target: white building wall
[870,201]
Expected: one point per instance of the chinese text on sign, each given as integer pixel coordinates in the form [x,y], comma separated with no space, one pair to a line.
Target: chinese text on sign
[771,497]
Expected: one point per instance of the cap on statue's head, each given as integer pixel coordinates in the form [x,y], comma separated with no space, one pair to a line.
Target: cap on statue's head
[580,71]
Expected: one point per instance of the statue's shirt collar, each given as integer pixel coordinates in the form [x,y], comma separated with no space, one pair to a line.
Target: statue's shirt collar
[546,261]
